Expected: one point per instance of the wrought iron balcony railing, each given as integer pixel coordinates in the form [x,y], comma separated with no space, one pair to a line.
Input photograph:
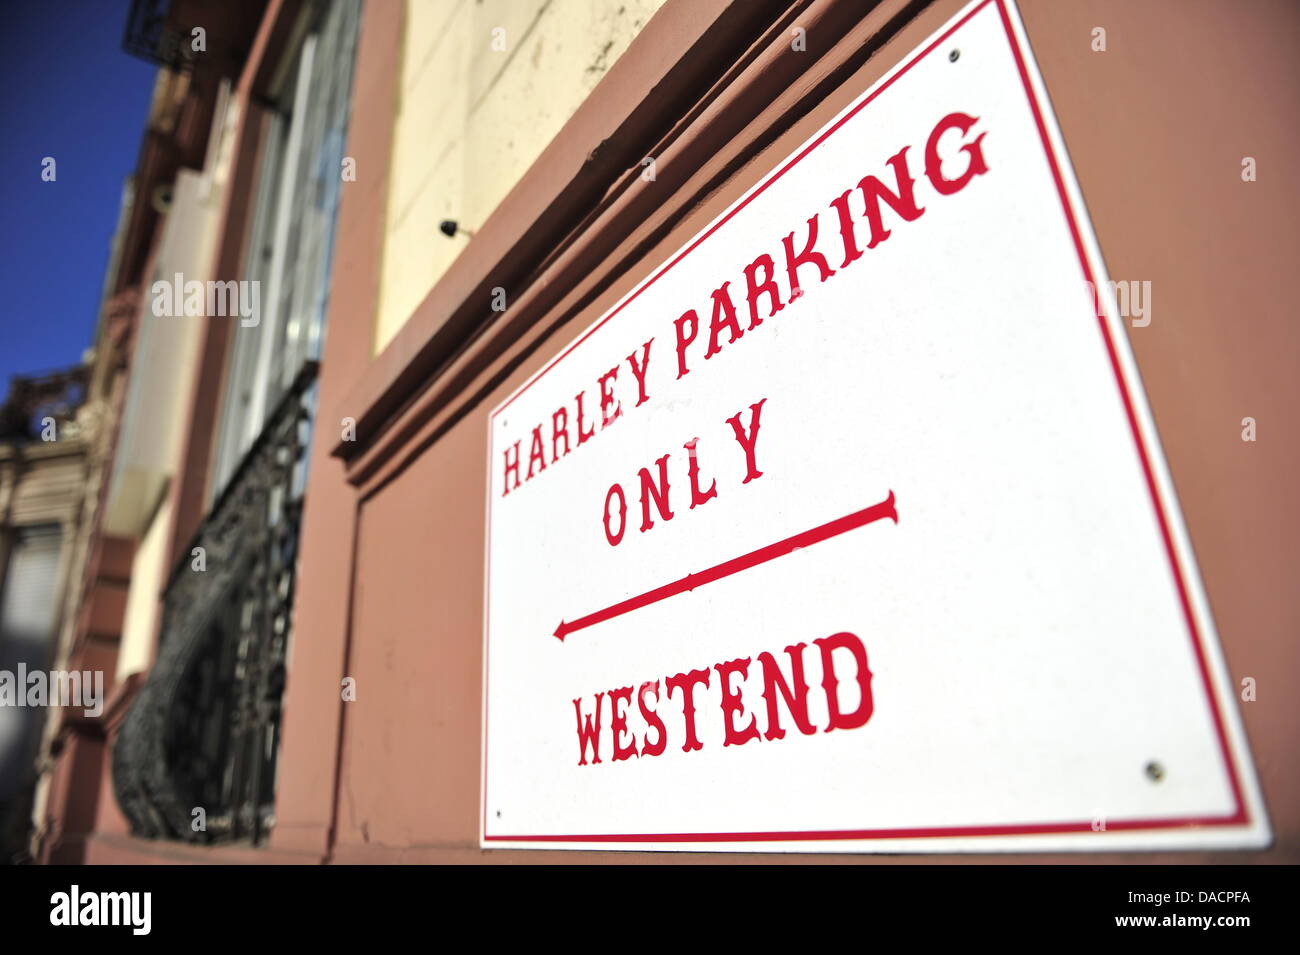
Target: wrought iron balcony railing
[196,755]
[149,37]
[32,398]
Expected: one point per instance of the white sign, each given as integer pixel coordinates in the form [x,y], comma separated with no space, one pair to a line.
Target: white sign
[848,528]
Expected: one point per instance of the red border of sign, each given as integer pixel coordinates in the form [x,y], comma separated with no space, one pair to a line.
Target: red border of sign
[1238,817]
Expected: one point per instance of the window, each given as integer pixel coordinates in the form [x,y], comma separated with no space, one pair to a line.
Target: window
[292,231]
[28,611]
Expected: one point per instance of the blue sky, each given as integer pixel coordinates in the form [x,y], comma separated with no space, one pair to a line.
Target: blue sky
[67,90]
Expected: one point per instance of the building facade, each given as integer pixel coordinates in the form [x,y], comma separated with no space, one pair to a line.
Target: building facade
[429,202]
[47,434]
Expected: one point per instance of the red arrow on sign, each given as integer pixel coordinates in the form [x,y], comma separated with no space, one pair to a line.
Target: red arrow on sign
[823,532]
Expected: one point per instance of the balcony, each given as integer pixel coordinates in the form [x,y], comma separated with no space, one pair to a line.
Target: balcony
[196,754]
